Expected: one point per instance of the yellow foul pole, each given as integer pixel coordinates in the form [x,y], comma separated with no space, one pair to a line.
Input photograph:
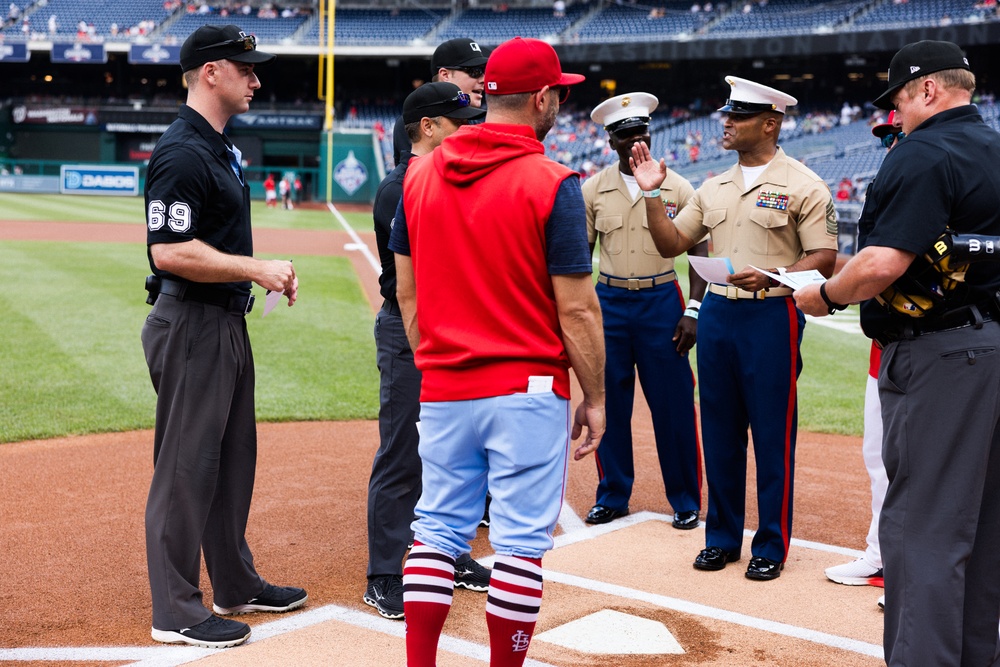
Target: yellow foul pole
[327,25]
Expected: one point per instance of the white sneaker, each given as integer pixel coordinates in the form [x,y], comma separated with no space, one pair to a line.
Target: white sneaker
[856,573]
[881,603]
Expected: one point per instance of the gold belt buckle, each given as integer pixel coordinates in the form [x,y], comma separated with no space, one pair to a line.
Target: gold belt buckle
[633,284]
[732,292]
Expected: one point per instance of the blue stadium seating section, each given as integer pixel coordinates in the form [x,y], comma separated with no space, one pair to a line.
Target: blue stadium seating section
[636,20]
[786,17]
[267,30]
[491,27]
[918,12]
[102,13]
[358,27]
[584,21]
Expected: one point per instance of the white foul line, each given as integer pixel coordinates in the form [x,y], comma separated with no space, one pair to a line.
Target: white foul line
[357,244]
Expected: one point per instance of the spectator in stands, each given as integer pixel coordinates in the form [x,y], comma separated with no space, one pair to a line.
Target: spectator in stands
[53,24]
[559,9]
[462,62]
[845,190]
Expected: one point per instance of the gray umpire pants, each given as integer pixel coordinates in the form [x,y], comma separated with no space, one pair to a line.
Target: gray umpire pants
[940,524]
[204,459]
[394,486]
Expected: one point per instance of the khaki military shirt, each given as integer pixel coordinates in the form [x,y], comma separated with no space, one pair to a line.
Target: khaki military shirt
[788,211]
[627,248]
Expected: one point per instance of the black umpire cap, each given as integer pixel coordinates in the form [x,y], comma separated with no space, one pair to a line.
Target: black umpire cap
[916,60]
[457,54]
[227,42]
[441,98]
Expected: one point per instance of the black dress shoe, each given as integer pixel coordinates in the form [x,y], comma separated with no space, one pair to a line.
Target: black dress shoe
[715,558]
[685,520]
[602,514]
[764,569]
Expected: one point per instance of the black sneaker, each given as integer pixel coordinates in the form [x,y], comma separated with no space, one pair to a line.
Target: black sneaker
[214,632]
[272,598]
[473,576]
[386,595]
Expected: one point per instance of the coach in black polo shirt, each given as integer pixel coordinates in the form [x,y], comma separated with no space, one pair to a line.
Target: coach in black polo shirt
[940,375]
[198,352]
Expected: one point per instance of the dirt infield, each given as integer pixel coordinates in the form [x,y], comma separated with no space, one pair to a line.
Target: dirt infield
[73,559]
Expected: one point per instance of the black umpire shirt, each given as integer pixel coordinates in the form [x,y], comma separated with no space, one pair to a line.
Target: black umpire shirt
[192,192]
[942,174]
[387,197]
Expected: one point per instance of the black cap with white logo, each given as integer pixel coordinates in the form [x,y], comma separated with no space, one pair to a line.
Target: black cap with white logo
[920,59]
[458,53]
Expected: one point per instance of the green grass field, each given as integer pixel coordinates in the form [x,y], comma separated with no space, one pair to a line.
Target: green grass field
[72,314]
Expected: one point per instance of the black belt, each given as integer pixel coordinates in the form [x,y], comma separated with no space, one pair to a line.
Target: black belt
[966,316]
[391,306]
[184,291]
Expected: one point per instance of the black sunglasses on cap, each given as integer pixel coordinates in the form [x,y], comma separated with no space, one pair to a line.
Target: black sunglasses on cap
[462,99]
[249,43]
[889,139]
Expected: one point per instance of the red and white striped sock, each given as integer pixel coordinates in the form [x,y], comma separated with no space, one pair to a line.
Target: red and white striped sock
[428,586]
[512,606]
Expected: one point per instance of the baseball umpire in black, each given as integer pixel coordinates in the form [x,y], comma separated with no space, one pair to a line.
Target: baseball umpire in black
[196,345]
[938,320]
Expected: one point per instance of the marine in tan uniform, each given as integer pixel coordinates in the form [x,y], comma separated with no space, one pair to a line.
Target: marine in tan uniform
[646,326]
[768,211]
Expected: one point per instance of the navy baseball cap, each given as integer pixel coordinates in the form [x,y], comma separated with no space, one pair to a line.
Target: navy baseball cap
[920,59]
[226,42]
[441,98]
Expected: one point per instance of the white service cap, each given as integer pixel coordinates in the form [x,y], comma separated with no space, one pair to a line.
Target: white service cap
[624,111]
[751,97]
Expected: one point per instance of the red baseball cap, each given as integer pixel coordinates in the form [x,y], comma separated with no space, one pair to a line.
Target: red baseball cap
[524,65]
[886,127]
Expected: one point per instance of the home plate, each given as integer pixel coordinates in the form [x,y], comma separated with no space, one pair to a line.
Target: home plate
[613,632]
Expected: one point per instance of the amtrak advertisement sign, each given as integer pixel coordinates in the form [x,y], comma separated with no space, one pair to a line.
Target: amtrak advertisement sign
[79,179]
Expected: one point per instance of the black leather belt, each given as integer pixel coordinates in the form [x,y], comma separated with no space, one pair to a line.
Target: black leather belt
[637,283]
[967,316]
[184,291]
[391,306]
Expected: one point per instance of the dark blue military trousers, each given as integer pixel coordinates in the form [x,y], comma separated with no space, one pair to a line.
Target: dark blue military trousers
[638,328]
[748,366]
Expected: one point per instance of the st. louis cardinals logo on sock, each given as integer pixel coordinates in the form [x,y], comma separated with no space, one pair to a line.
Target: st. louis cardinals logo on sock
[520,641]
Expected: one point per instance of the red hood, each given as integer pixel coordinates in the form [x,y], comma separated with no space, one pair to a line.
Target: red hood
[476,150]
